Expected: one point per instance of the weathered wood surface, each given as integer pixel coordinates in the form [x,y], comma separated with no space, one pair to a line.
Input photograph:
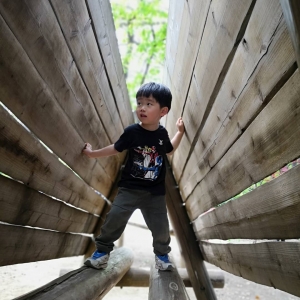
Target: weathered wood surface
[269,143]
[22,244]
[25,159]
[21,205]
[271,211]
[86,283]
[27,95]
[222,34]
[101,14]
[291,11]
[187,241]
[166,285]
[139,277]
[270,74]
[274,264]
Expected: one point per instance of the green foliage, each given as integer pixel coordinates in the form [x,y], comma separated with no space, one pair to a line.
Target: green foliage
[141,30]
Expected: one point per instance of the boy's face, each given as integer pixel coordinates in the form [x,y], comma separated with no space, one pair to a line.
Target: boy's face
[149,111]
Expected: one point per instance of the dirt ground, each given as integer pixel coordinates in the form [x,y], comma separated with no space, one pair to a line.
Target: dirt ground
[19,279]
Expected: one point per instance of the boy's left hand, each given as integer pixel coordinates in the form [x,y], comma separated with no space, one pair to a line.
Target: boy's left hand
[180,125]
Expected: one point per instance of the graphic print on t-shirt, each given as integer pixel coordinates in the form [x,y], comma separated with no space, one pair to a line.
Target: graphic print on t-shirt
[147,163]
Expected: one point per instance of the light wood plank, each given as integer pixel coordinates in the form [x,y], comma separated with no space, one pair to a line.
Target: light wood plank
[271,211]
[223,30]
[21,205]
[269,143]
[86,283]
[229,119]
[26,94]
[44,43]
[274,264]
[291,11]
[22,244]
[24,158]
[81,41]
[104,30]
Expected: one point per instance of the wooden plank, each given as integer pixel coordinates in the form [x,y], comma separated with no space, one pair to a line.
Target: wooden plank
[26,94]
[86,283]
[291,11]
[44,43]
[273,264]
[166,285]
[269,143]
[187,241]
[21,205]
[225,25]
[22,245]
[104,30]
[81,41]
[271,211]
[25,159]
[216,137]
[139,277]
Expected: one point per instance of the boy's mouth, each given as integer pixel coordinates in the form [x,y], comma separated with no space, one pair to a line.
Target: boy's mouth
[143,116]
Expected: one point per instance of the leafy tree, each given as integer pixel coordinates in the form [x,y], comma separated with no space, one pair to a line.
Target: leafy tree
[141,30]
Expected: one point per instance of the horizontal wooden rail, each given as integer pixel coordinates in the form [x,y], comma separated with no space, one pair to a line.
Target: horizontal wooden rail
[86,283]
[139,277]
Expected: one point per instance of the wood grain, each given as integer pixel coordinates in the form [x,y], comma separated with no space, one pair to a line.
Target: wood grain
[274,264]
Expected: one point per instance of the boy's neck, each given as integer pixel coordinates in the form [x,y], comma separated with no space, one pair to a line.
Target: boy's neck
[150,127]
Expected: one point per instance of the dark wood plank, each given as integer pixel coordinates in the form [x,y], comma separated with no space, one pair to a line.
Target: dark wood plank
[21,205]
[268,144]
[274,264]
[271,211]
[187,241]
[86,283]
[21,245]
[166,285]
[26,94]
[25,159]
[291,11]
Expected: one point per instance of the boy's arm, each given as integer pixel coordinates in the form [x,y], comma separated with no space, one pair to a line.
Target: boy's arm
[106,151]
[178,136]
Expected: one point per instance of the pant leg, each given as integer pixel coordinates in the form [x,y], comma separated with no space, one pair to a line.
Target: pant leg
[116,220]
[155,214]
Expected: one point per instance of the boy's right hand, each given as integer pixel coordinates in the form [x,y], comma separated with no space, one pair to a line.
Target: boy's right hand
[87,149]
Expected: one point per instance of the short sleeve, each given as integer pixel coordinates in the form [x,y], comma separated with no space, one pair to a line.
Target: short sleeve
[123,142]
[169,146]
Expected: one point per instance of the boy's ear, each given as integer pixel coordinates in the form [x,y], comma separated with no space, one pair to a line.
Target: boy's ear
[164,111]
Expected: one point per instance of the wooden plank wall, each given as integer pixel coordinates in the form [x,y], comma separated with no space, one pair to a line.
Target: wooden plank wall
[232,69]
[62,84]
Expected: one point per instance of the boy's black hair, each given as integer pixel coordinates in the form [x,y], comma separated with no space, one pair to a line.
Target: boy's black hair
[159,92]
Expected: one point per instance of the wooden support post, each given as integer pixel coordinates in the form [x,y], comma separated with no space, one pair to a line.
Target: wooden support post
[139,277]
[86,283]
[187,241]
[166,285]
[291,12]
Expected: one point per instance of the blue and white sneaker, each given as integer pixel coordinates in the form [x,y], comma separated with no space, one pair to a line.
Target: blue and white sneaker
[98,260]
[163,263]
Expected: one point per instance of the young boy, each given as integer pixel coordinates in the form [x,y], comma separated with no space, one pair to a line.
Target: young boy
[142,185]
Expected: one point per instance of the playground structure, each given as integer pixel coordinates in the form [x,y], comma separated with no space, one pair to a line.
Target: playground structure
[233,71]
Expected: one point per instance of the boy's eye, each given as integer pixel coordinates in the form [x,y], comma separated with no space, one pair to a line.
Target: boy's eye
[149,104]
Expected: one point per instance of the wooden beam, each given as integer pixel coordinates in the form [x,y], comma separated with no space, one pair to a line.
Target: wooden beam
[166,285]
[139,277]
[22,244]
[274,264]
[187,240]
[291,12]
[86,283]
[271,211]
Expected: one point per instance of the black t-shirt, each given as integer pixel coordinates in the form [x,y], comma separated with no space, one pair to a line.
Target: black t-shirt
[145,168]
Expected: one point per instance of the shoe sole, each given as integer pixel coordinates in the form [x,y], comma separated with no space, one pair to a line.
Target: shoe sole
[89,264]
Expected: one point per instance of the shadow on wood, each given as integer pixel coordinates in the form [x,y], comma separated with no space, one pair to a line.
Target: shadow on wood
[86,283]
